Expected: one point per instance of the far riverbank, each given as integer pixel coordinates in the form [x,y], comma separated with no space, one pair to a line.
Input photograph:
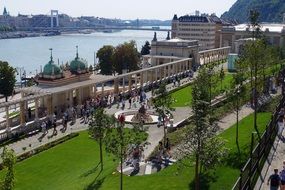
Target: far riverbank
[18,34]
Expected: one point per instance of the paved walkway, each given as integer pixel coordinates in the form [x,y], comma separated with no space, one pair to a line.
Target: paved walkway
[37,140]
[274,161]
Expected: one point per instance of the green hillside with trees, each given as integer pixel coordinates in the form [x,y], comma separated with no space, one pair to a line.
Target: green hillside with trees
[270,10]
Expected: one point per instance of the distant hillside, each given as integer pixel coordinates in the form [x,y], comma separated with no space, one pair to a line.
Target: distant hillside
[270,10]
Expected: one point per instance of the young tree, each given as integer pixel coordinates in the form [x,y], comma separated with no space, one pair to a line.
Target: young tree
[126,57]
[238,93]
[162,105]
[146,48]
[118,141]
[9,160]
[222,77]
[7,79]
[200,140]
[100,122]
[105,55]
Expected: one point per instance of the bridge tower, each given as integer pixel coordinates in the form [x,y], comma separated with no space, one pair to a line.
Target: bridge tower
[54,14]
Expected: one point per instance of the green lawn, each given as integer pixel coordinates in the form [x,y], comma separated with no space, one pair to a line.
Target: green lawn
[71,165]
[183,97]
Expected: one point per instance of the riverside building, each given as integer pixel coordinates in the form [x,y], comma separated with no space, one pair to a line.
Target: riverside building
[206,29]
[274,33]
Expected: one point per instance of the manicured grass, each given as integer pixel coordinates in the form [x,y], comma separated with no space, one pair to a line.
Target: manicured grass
[183,97]
[72,164]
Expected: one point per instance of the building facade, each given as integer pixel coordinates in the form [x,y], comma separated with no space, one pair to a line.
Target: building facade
[169,50]
[230,36]
[206,29]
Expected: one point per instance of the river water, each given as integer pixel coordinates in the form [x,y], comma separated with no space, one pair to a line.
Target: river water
[32,53]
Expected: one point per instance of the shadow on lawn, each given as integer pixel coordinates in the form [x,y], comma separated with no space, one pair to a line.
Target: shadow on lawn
[91,171]
[205,180]
[96,183]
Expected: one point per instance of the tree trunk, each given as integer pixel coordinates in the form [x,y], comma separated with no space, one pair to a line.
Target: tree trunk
[164,131]
[197,179]
[6,98]
[101,154]
[121,153]
[237,143]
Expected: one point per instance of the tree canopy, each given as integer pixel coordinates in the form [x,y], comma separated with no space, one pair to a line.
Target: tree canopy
[146,48]
[126,57]
[116,59]
[7,79]
[105,55]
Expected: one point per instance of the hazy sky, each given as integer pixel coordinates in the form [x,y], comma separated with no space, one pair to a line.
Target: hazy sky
[125,9]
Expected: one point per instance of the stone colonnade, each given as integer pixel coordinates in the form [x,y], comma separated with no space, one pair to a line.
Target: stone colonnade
[213,55]
[49,101]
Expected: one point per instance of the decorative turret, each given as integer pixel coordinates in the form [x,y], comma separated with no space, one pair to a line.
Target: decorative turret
[175,17]
[5,12]
[168,36]
[51,70]
[154,37]
[78,65]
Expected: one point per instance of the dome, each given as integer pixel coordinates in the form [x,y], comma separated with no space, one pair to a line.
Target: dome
[51,69]
[78,65]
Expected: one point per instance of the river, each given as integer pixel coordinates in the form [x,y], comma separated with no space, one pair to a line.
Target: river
[31,53]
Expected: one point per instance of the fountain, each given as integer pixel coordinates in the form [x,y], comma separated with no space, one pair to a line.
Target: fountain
[142,115]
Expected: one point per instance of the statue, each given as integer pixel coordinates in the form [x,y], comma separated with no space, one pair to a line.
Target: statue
[142,116]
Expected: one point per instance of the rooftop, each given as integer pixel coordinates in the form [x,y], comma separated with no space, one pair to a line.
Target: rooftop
[264,26]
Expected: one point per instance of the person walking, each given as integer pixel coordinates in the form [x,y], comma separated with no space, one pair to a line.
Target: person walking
[274,180]
[282,177]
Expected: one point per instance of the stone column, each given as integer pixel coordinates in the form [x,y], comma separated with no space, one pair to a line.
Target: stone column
[36,109]
[165,72]
[103,85]
[95,90]
[7,119]
[124,85]
[116,86]
[49,105]
[78,96]
[141,79]
[136,81]
[169,70]
[156,75]
[67,99]
[146,76]
[130,82]
[22,114]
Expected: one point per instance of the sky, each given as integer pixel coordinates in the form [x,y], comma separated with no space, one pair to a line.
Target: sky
[123,9]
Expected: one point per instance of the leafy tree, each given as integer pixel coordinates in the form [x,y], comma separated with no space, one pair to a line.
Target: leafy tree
[100,122]
[126,56]
[162,105]
[146,48]
[7,79]
[200,140]
[9,160]
[105,55]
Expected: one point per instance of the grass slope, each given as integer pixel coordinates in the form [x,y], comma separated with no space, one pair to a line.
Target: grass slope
[72,165]
[183,97]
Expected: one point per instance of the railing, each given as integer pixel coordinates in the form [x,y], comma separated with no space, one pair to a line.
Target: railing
[259,153]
